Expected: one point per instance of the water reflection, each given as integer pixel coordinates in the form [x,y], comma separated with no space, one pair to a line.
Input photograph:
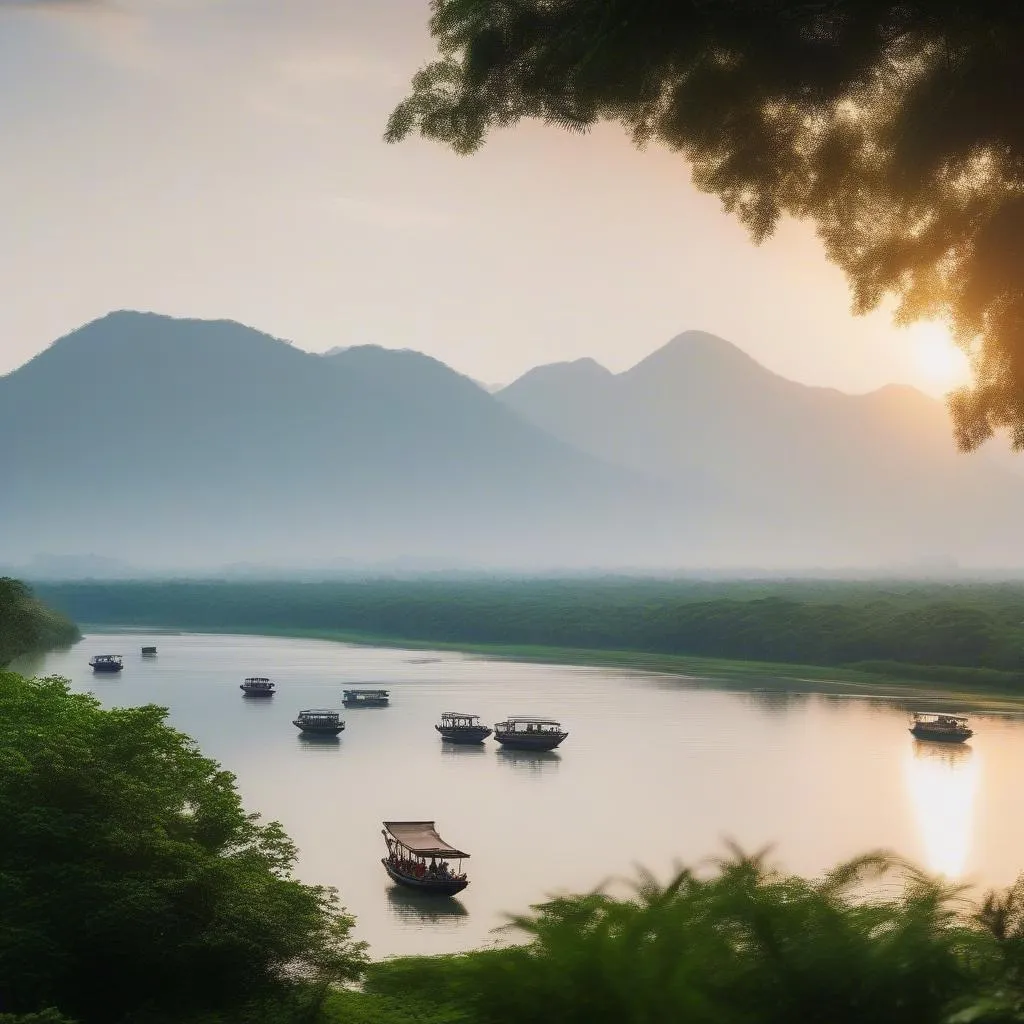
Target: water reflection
[533,761]
[942,782]
[312,742]
[462,748]
[414,908]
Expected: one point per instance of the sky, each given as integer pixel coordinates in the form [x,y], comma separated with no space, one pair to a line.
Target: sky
[224,159]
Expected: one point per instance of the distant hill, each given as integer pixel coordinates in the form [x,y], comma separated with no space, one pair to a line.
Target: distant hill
[169,443]
[834,477]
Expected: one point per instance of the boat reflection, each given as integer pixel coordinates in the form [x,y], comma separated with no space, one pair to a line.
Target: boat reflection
[322,741]
[533,761]
[942,783]
[458,749]
[414,908]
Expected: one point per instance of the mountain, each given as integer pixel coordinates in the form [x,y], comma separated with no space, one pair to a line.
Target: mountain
[170,443]
[825,477]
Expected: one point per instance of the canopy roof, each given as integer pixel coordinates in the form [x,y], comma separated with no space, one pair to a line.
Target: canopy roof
[531,721]
[421,838]
[939,716]
[320,711]
[366,692]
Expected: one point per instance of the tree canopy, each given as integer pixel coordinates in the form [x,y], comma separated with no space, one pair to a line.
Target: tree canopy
[27,625]
[131,878]
[893,125]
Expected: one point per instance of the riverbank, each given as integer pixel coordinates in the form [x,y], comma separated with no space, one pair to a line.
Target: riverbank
[723,673]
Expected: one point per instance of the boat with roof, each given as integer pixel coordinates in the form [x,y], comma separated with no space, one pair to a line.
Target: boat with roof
[365,698]
[942,727]
[420,859]
[456,727]
[320,722]
[107,663]
[148,652]
[529,733]
[257,686]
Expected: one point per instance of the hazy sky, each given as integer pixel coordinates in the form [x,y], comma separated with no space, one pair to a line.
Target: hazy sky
[223,158]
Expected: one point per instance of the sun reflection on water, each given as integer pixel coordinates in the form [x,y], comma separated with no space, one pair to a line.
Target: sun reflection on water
[942,783]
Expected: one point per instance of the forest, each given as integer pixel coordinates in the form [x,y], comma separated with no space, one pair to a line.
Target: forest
[970,633]
[27,626]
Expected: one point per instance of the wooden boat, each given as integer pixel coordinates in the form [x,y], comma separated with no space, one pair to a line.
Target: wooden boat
[107,663]
[418,858]
[257,686]
[458,728]
[941,727]
[148,652]
[529,733]
[365,698]
[320,722]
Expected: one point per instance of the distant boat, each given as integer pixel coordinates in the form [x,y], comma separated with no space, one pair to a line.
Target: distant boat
[365,698]
[458,728]
[320,721]
[148,652]
[257,686]
[107,663]
[944,728]
[529,733]
[418,858]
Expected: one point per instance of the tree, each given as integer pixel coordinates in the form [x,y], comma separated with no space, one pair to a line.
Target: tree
[26,625]
[132,878]
[893,125]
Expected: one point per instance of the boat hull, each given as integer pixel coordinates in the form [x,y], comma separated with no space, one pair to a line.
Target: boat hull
[376,703]
[530,741]
[110,669]
[466,734]
[322,730]
[256,693]
[941,736]
[434,886]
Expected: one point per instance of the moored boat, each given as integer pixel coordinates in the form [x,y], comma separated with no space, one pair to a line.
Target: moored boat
[107,663]
[320,722]
[456,727]
[365,698]
[257,686]
[148,652]
[418,858]
[941,727]
[529,733]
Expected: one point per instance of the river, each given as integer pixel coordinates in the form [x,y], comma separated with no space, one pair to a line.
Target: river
[656,770]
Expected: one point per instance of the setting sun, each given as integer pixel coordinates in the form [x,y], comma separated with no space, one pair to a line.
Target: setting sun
[940,365]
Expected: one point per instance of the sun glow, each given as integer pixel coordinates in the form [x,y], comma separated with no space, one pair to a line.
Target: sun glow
[941,366]
[942,783]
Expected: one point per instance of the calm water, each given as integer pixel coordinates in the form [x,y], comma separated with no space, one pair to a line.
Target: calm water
[655,770]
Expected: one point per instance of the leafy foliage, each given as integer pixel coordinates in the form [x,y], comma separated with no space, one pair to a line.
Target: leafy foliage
[28,626]
[957,633]
[892,125]
[743,944]
[131,877]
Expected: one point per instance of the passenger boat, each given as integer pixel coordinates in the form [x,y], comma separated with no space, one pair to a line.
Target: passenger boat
[320,722]
[945,728]
[458,728]
[257,686]
[107,663]
[148,652]
[529,733]
[365,698]
[419,858]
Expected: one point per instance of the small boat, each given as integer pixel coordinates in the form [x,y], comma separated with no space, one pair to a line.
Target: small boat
[419,858]
[458,728]
[529,733]
[945,728]
[107,663]
[320,722]
[257,686]
[365,698]
[148,652]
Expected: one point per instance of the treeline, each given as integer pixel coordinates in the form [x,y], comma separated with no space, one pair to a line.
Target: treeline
[969,627]
[27,626]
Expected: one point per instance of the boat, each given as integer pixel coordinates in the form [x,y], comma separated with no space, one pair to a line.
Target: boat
[320,722]
[257,686]
[148,651]
[107,663]
[418,858]
[529,733]
[456,727]
[942,727]
[365,698]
